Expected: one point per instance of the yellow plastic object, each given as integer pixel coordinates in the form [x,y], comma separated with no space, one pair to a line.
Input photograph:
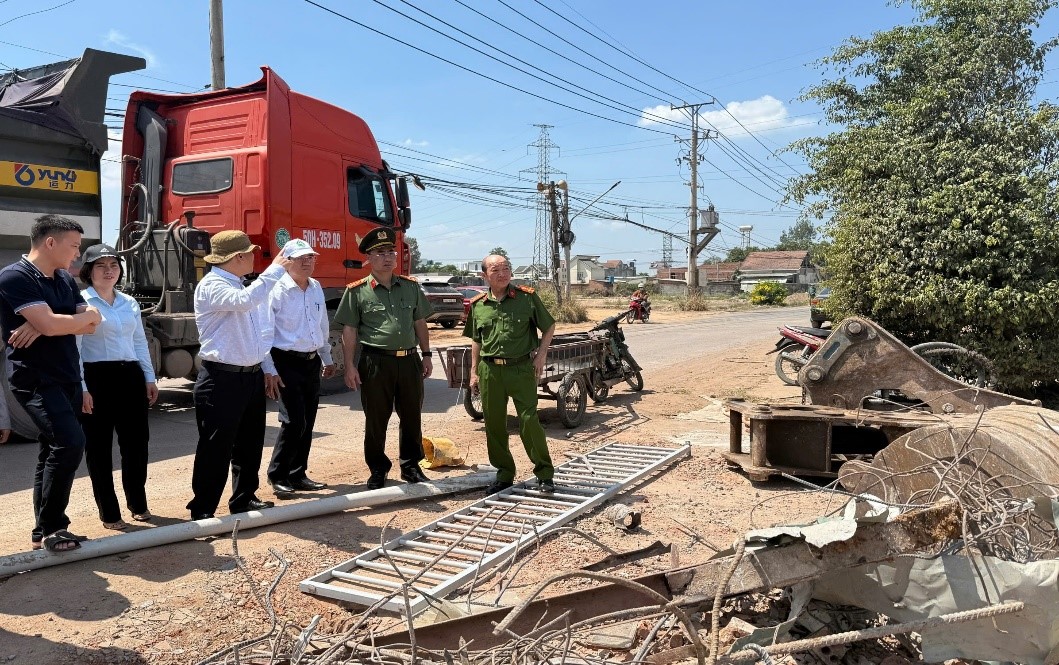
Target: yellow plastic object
[439,452]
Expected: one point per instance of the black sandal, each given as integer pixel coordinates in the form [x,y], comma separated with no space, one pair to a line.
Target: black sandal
[63,541]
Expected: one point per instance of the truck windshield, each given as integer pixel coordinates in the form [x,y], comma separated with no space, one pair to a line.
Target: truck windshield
[369,197]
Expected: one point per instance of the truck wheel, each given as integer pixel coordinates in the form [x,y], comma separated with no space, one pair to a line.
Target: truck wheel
[472,403]
[572,398]
[448,324]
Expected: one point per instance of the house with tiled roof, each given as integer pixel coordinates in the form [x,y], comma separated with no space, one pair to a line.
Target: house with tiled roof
[617,269]
[785,267]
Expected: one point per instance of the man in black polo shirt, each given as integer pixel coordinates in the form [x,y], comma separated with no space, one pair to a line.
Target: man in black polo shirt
[41,310]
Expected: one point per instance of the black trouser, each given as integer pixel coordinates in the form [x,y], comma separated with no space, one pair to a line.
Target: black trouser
[54,409]
[119,402]
[299,399]
[230,412]
[388,384]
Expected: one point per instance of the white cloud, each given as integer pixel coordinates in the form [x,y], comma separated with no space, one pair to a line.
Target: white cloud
[415,144]
[118,39]
[763,114]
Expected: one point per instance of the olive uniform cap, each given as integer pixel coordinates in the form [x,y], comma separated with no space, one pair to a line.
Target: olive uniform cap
[377,239]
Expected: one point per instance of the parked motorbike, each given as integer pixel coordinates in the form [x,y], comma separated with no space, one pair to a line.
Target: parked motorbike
[617,364]
[639,310]
[795,346]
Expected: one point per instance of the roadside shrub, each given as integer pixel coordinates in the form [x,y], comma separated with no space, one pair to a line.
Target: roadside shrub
[624,288]
[572,310]
[768,293]
[693,302]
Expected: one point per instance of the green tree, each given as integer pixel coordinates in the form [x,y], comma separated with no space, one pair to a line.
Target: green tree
[498,250]
[939,188]
[738,254]
[413,250]
[801,235]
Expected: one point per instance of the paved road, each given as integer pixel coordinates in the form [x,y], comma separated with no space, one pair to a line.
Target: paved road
[339,432]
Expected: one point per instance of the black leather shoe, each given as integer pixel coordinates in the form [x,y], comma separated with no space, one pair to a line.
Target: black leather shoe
[498,486]
[376,480]
[195,517]
[306,485]
[254,504]
[546,486]
[283,487]
[414,474]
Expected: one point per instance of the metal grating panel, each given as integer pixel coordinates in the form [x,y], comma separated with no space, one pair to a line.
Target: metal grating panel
[447,553]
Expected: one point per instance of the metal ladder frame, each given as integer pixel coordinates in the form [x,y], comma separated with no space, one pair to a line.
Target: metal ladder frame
[582,484]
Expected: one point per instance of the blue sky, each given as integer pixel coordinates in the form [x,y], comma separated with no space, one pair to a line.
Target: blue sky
[434,118]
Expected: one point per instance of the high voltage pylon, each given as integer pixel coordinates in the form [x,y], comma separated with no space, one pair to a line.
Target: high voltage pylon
[542,234]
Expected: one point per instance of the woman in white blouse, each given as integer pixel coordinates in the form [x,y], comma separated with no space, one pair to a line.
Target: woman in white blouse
[119,386]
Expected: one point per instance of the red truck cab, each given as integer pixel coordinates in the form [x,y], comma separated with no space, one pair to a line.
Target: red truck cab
[259,158]
[266,160]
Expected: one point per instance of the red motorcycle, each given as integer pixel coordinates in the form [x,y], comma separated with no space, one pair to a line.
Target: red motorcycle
[639,310]
[795,346]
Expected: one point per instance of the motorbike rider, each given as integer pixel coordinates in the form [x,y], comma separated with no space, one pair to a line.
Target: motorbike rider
[640,297]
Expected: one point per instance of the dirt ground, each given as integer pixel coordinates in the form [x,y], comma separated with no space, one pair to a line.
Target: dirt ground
[180,603]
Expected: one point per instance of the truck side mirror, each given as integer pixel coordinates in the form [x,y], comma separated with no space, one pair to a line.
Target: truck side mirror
[405,215]
[402,193]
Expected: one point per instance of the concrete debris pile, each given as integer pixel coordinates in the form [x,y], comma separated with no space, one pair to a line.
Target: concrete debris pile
[942,549]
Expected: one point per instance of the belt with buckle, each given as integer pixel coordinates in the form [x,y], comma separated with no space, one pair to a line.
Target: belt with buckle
[213,364]
[400,353]
[496,360]
[304,355]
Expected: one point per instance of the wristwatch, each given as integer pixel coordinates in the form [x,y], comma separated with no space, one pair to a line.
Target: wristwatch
[427,354]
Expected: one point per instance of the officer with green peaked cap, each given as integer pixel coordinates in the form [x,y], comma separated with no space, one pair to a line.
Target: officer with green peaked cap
[507,361]
[386,313]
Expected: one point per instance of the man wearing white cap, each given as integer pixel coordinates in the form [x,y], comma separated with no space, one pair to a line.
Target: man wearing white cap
[300,356]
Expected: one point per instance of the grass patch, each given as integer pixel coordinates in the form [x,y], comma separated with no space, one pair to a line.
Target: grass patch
[693,302]
[572,311]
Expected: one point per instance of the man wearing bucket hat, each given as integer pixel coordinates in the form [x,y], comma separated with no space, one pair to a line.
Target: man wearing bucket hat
[234,333]
[387,313]
[300,356]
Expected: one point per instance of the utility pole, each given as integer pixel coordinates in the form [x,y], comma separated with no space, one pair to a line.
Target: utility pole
[693,160]
[217,44]
[565,236]
[555,245]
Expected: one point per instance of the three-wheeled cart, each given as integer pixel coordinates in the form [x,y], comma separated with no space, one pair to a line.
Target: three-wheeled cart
[569,362]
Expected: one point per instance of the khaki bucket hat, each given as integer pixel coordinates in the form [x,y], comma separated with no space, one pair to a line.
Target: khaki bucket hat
[224,246]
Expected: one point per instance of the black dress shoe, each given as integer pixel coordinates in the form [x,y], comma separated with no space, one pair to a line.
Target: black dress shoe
[283,487]
[376,480]
[306,485]
[498,486]
[195,517]
[414,474]
[254,504]
[546,486]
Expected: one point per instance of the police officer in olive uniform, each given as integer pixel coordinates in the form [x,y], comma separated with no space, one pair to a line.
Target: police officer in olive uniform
[387,314]
[507,361]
